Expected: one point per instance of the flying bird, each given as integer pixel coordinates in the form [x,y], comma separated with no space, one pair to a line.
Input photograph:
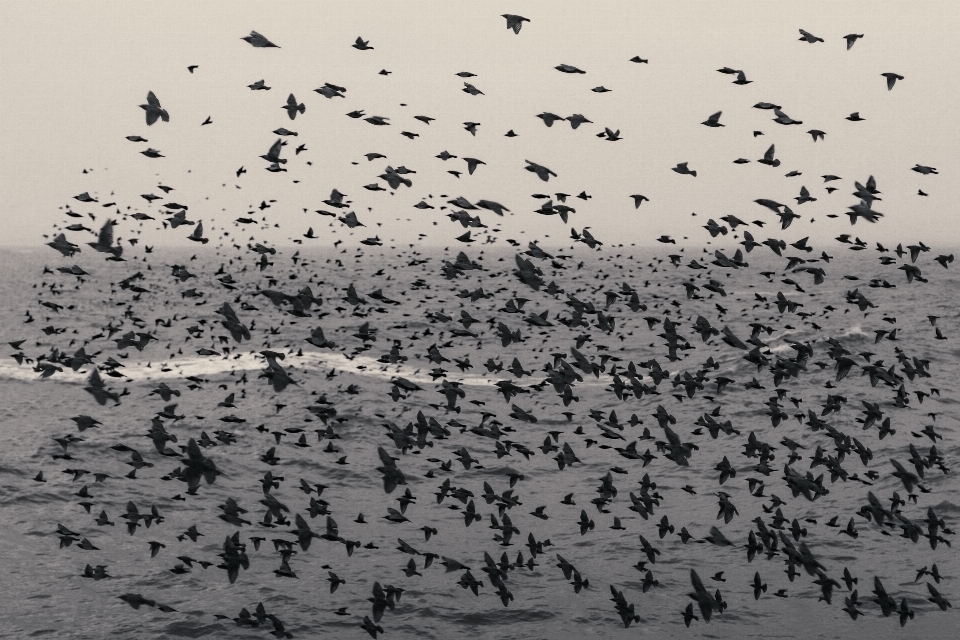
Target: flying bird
[891,79]
[292,107]
[257,40]
[809,37]
[851,39]
[362,45]
[684,170]
[154,110]
[514,22]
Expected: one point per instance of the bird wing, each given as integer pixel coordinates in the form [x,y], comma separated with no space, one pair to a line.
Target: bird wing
[274,153]
[105,238]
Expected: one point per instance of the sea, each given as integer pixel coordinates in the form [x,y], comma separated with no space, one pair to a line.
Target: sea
[394,339]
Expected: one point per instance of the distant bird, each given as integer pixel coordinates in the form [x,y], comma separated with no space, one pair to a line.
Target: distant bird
[104,243]
[768,158]
[257,40]
[809,37]
[65,247]
[891,79]
[292,107]
[154,110]
[197,235]
[713,120]
[542,172]
[362,45]
[741,76]
[783,118]
[684,170]
[852,39]
[514,22]
[549,118]
[472,164]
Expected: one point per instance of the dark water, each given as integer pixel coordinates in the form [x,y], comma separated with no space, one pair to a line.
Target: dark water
[44,593]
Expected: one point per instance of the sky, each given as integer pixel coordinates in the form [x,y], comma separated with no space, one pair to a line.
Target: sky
[74,73]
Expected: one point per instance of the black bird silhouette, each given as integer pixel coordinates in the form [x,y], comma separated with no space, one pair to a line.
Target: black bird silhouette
[684,170]
[257,40]
[514,22]
[809,37]
[852,39]
[891,79]
[292,107]
[713,120]
[362,45]
[153,109]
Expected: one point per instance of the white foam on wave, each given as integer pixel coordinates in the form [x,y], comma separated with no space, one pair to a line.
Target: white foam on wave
[855,330]
[201,367]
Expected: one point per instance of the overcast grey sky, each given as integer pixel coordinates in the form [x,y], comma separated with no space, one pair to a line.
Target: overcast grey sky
[74,73]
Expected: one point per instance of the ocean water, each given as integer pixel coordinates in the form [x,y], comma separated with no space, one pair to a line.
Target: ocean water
[44,593]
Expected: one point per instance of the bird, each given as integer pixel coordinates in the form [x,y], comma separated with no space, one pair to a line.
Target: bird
[768,158]
[542,172]
[713,120]
[549,118]
[809,37]
[153,109]
[104,243]
[257,40]
[684,170]
[852,39]
[514,22]
[362,45]
[891,79]
[292,108]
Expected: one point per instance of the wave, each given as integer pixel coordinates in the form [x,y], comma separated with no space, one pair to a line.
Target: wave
[200,366]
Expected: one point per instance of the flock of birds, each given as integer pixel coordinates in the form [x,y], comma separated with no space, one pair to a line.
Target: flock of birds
[510,432]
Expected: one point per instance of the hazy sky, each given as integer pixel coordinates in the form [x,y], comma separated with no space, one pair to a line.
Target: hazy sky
[74,73]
